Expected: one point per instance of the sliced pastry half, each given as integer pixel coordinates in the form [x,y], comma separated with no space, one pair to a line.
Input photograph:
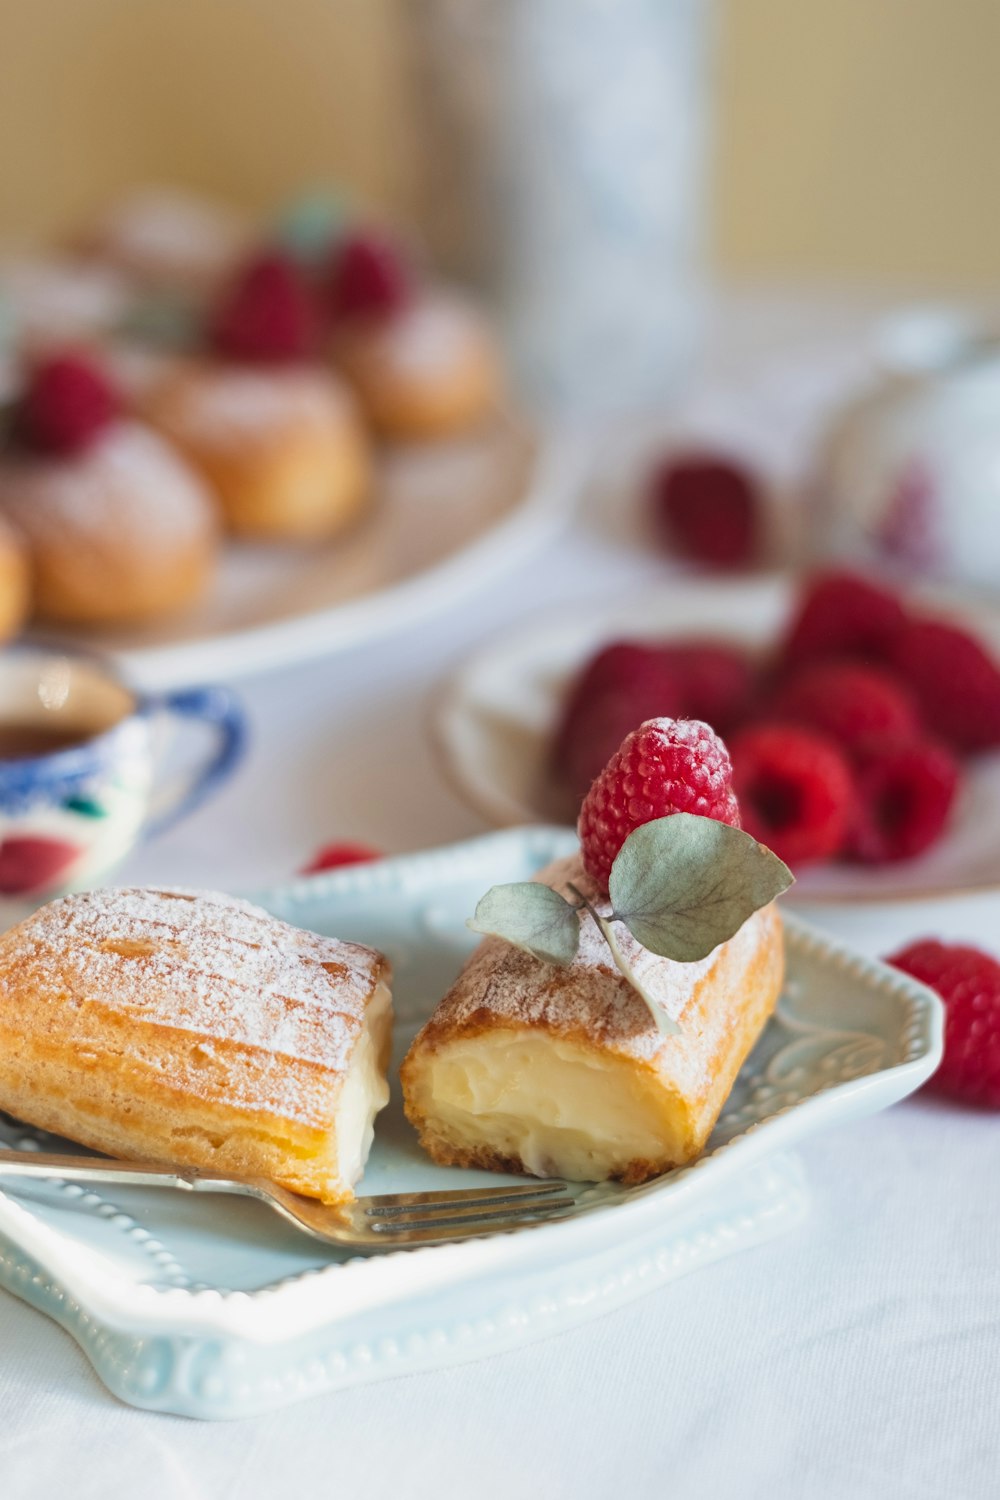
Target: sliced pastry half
[562,1071]
[196,1029]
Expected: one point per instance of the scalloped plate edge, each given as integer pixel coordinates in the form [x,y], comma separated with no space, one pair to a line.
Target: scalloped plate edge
[271,1313]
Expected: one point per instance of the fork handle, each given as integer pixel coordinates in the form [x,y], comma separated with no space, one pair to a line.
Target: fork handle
[40,1164]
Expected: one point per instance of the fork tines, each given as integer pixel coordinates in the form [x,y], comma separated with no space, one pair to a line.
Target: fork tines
[400,1214]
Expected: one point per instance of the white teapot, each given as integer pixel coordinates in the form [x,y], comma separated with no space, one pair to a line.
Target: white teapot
[908,477]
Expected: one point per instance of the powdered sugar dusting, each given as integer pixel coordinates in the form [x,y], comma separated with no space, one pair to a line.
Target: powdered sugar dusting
[129,490]
[160,232]
[430,337]
[55,297]
[229,405]
[217,969]
[590,995]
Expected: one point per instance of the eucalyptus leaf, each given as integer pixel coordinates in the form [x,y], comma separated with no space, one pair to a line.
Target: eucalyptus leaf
[665,1024]
[684,884]
[533,917]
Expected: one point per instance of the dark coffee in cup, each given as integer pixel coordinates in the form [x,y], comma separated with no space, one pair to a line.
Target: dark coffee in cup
[27,741]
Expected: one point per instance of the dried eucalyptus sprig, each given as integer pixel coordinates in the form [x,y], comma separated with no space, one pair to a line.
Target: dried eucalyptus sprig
[681,885]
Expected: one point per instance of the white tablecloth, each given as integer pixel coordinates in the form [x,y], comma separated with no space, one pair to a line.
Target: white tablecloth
[858,1356]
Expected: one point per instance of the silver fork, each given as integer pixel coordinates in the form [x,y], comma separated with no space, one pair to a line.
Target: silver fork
[384,1222]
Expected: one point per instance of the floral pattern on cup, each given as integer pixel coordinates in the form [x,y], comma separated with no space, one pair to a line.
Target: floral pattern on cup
[69,815]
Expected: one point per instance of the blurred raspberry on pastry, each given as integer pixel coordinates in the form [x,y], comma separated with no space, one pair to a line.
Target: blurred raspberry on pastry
[277,437]
[117,527]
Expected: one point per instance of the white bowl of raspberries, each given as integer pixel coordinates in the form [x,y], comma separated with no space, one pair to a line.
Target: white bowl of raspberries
[863,723]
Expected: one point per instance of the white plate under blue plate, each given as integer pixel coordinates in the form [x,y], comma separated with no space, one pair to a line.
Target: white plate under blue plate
[213,1308]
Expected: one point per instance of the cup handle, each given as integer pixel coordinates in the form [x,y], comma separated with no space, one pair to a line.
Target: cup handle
[218,709]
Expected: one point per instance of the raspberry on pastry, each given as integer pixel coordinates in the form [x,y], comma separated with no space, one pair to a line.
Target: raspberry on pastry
[665,766]
[66,406]
[368,278]
[268,314]
[115,524]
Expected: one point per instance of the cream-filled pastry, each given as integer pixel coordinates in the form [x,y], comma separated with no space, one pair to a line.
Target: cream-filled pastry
[117,528]
[196,1029]
[123,532]
[283,450]
[428,370]
[562,1072]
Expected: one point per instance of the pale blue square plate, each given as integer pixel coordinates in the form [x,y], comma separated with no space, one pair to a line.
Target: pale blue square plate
[213,1308]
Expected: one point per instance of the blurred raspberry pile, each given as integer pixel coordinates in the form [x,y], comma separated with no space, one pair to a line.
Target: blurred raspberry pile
[849,738]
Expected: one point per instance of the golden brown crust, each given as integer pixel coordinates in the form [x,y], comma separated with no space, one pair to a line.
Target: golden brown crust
[180,1028]
[124,532]
[721,1005]
[430,372]
[15,583]
[283,451]
[447,1154]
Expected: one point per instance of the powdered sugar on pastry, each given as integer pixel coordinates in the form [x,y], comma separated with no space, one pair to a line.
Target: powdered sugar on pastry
[562,1072]
[224,973]
[227,405]
[161,234]
[130,487]
[579,998]
[430,336]
[189,1027]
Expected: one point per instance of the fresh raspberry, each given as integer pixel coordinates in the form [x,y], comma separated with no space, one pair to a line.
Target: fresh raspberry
[848,700]
[268,313]
[707,508]
[905,794]
[368,278]
[619,663]
[955,681]
[842,614]
[665,766]
[619,688]
[968,982]
[717,681]
[68,403]
[334,856]
[795,790]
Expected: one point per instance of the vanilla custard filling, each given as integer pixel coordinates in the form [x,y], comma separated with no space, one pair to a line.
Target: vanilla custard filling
[562,1111]
[365,1090]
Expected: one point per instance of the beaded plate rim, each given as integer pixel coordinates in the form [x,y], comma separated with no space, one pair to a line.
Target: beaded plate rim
[55,1272]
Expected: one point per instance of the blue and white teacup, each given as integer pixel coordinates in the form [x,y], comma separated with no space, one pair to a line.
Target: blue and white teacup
[81,777]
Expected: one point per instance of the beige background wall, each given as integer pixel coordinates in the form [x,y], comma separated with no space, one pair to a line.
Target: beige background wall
[855,137]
